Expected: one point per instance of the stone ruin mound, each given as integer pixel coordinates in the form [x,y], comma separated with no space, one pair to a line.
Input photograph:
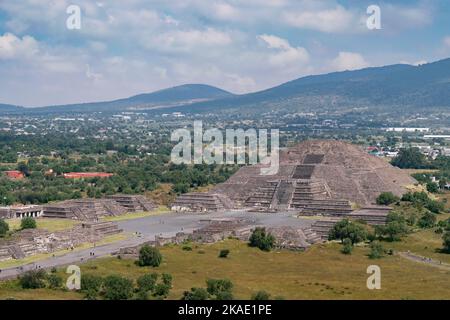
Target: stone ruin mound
[93,209]
[201,202]
[316,177]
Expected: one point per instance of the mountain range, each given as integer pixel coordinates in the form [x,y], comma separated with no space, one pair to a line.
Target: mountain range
[401,85]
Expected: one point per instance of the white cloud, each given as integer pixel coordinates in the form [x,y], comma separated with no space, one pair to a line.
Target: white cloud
[286,54]
[349,61]
[12,47]
[332,20]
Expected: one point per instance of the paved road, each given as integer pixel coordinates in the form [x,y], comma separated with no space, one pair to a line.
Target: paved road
[166,225]
[428,261]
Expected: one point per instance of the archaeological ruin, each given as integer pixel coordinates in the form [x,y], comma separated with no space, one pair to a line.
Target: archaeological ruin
[317,177]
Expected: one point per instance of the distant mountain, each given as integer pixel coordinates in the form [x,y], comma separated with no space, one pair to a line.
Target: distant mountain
[171,97]
[404,86]
[393,88]
[10,108]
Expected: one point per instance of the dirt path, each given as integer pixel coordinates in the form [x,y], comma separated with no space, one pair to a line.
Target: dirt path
[431,262]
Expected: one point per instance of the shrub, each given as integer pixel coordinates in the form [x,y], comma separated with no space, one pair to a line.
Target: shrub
[147,282]
[376,250]
[28,223]
[446,243]
[432,187]
[161,290]
[34,279]
[118,288]
[224,253]
[149,256]
[221,289]
[348,246]
[91,285]
[195,294]
[387,198]
[4,228]
[262,240]
[54,281]
[167,279]
[261,296]
[428,220]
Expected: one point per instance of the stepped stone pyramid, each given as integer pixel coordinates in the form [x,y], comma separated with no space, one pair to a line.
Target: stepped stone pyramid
[317,177]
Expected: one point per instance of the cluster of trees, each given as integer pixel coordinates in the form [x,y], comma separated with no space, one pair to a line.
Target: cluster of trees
[353,232]
[38,279]
[421,199]
[216,289]
[131,176]
[115,287]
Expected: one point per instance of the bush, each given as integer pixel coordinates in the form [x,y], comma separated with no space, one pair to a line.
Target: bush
[161,290]
[348,246]
[410,158]
[28,223]
[262,240]
[446,243]
[261,296]
[221,289]
[224,253]
[432,187]
[54,281]
[147,282]
[428,220]
[346,229]
[387,198]
[376,250]
[195,294]
[4,228]
[34,279]
[167,279]
[91,285]
[149,256]
[118,288]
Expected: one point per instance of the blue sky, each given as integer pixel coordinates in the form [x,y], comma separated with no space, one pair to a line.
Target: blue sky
[129,47]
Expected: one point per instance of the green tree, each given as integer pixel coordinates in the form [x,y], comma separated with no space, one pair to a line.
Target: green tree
[387,198]
[394,229]
[28,223]
[149,256]
[261,239]
[410,158]
[4,228]
[261,296]
[118,288]
[195,294]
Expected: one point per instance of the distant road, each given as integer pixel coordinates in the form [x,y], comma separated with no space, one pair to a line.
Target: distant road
[165,225]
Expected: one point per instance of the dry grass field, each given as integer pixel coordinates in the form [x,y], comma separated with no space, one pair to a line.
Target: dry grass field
[322,272]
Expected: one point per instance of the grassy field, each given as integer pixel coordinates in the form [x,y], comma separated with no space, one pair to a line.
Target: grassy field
[322,272]
[137,215]
[47,224]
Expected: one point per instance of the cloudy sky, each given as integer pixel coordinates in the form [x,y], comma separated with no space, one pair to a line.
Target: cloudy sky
[135,46]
